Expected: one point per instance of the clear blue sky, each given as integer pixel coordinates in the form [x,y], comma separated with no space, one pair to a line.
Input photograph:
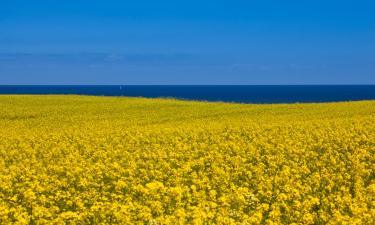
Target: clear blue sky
[187,42]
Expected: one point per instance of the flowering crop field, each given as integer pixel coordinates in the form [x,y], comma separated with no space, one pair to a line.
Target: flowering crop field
[117,160]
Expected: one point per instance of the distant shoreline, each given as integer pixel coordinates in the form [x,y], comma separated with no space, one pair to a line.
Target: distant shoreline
[256,94]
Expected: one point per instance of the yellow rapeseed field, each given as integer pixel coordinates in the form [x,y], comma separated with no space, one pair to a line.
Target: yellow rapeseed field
[114,160]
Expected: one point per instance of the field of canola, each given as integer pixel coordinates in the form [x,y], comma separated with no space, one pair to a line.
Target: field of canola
[112,160]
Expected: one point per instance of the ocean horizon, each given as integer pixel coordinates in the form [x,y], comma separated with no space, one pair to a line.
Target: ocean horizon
[223,93]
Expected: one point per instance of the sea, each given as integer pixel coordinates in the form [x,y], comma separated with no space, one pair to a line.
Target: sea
[259,94]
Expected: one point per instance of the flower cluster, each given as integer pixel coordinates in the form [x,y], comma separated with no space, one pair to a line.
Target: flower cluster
[107,160]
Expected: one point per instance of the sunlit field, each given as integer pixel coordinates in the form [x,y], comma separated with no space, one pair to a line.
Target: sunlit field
[106,160]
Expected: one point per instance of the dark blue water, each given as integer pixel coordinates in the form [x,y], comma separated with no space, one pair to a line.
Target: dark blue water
[225,93]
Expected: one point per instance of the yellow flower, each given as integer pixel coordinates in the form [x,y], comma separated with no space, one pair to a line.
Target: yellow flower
[110,160]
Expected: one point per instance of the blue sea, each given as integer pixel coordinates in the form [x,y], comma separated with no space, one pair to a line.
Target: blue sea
[224,93]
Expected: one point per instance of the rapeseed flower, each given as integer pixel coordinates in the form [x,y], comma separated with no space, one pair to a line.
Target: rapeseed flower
[107,160]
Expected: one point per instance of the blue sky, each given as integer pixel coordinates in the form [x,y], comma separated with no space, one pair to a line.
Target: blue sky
[187,42]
